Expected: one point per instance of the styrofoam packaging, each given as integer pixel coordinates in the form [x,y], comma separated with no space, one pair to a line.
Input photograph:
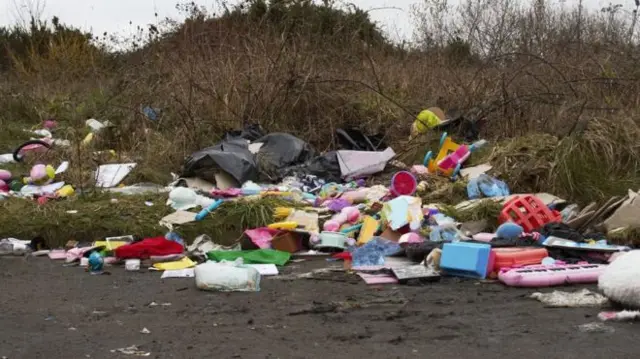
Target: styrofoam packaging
[132,265]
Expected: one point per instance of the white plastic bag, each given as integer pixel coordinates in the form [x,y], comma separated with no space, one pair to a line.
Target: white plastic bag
[13,247]
[227,277]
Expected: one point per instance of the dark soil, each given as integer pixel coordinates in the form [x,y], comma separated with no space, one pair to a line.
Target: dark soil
[51,311]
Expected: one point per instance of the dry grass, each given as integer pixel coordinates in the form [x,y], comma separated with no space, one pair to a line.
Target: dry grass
[562,86]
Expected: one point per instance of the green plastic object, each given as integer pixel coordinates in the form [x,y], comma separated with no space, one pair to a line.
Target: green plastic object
[258,256]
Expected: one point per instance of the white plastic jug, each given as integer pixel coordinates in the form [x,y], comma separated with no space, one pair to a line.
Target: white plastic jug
[227,277]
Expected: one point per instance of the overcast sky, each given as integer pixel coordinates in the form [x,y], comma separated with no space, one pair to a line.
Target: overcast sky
[114,16]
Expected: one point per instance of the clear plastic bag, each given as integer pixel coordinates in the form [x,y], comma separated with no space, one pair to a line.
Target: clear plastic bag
[227,277]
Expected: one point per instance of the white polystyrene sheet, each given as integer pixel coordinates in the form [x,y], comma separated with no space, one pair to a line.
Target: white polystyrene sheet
[363,163]
[112,174]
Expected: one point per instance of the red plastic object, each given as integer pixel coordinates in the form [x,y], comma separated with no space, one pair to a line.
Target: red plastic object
[157,246]
[513,257]
[403,183]
[529,212]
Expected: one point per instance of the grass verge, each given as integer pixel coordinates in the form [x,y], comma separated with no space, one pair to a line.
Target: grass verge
[104,215]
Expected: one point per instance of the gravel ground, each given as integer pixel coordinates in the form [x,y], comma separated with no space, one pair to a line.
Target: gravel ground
[51,311]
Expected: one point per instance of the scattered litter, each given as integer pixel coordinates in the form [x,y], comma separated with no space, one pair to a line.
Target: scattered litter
[265,269]
[596,327]
[415,272]
[132,350]
[111,175]
[184,263]
[379,278]
[486,186]
[291,201]
[227,277]
[474,172]
[178,273]
[580,299]
[145,331]
[177,218]
[625,315]
[355,164]
[64,166]
[627,214]
[154,304]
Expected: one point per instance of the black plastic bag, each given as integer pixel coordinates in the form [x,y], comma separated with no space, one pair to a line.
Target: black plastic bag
[279,151]
[231,156]
[325,166]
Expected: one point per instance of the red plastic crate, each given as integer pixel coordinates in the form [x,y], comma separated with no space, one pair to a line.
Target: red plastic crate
[529,212]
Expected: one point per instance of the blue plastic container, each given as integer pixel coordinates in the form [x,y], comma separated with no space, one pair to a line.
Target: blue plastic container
[462,259]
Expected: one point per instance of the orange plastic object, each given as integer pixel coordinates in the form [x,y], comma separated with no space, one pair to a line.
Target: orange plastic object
[448,147]
[529,212]
[510,257]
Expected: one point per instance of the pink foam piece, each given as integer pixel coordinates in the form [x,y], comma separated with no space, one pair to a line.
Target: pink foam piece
[58,254]
[261,237]
[378,278]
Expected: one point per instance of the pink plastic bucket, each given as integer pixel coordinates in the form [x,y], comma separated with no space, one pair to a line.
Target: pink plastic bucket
[403,183]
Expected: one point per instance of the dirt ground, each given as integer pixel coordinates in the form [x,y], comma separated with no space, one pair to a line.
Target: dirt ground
[51,311]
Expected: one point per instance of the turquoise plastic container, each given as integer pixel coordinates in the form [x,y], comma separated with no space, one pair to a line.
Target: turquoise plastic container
[470,260]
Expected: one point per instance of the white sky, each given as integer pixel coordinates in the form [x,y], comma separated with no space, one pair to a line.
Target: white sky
[114,16]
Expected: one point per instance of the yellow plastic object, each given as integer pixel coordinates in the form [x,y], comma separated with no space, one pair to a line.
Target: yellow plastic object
[282,212]
[110,245]
[448,147]
[87,139]
[425,120]
[369,228]
[50,171]
[284,226]
[184,263]
[65,191]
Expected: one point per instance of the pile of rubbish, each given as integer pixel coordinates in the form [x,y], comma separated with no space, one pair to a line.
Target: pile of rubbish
[383,233]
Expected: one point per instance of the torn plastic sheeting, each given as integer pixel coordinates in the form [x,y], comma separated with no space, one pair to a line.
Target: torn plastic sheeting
[258,256]
[282,150]
[487,186]
[231,155]
[373,252]
[139,188]
[362,163]
[33,190]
